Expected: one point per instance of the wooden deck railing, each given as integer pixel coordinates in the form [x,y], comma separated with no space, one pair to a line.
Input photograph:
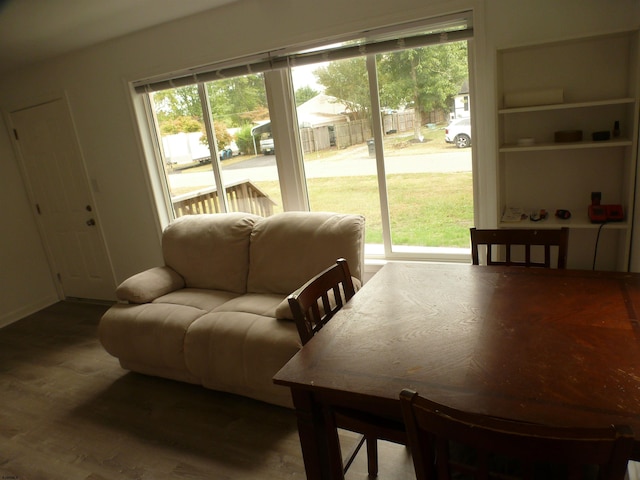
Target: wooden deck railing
[242,196]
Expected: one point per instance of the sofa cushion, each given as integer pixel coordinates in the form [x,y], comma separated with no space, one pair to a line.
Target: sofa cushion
[289,248]
[148,285]
[199,298]
[259,303]
[240,352]
[149,334]
[210,251]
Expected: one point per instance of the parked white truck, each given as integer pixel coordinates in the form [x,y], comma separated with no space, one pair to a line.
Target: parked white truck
[266,144]
[262,133]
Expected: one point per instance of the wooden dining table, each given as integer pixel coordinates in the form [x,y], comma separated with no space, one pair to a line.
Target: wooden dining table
[555,347]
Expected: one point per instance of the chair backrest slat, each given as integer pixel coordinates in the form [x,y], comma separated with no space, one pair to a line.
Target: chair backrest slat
[487,447]
[318,300]
[508,238]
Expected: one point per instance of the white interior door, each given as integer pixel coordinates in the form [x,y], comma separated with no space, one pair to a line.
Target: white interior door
[59,186]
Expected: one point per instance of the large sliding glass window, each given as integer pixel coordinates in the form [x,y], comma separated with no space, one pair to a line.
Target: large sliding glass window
[428,181]
[206,141]
[334,115]
[377,131]
[414,188]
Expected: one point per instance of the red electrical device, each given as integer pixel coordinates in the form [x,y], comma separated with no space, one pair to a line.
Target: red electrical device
[604,213]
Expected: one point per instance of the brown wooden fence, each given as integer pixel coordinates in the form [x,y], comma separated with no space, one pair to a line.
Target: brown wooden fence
[315,139]
[398,121]
[352,133]
[242,196]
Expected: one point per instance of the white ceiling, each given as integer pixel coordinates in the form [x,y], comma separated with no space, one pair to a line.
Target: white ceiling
[33,30]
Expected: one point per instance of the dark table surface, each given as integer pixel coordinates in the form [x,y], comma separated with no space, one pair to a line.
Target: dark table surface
[557,347]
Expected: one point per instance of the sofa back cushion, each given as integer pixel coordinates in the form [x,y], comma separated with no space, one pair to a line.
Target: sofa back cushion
[210,251]
[287,249]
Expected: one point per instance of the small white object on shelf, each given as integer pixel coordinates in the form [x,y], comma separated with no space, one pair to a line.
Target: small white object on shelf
[514,214]
[526,142]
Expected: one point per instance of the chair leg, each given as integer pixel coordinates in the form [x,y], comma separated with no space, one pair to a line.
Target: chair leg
[372,455]
[352,454]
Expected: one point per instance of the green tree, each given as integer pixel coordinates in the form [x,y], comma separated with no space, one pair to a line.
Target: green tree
[304,94]
[179,125]
[346,80]
[178,110]
[237,100]
[234,102]
[178,102]
[426,78]
[223,137]
[244,139]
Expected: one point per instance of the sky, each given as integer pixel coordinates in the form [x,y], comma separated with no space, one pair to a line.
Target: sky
[303,76]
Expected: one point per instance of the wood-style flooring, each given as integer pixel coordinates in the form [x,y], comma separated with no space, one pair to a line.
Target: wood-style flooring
[69,412]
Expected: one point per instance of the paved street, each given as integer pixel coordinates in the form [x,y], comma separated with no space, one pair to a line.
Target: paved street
[356,162]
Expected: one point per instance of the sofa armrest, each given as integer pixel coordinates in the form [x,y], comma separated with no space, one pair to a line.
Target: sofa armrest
[149,285]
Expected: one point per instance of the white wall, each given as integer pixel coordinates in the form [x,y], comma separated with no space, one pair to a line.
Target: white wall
[25,280]
[95,81]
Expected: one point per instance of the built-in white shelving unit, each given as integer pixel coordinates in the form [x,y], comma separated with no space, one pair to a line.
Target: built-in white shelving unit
[598,81]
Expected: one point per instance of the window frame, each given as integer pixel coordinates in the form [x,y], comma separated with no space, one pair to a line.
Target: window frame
[290,162]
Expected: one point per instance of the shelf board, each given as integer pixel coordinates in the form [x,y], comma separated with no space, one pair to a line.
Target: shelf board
[566,106]
[510,147]
[577,221]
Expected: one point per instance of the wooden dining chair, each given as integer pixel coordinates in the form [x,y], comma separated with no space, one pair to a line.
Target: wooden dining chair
[447,443]
[313,305]
[318,300]
[520,237]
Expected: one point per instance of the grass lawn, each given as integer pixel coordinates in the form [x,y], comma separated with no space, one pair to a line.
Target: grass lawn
[427,209]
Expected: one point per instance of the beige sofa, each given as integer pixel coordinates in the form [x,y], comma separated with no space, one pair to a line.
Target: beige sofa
[216,313]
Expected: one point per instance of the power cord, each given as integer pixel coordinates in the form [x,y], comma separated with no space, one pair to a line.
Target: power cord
[595,250]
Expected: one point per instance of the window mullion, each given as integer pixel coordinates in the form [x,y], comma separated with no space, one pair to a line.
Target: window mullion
[213,146]
[158,180]
[376,127]
[284,129]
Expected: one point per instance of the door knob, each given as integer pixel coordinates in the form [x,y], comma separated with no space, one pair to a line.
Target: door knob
[91,222]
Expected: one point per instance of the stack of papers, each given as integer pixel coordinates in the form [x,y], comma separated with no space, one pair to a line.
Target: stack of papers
[514,214]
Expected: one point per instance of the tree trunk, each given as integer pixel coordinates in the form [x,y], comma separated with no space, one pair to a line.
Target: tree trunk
[417,120]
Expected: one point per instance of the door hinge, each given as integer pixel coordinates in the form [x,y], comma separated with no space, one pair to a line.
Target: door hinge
[38,209]
[15,133]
